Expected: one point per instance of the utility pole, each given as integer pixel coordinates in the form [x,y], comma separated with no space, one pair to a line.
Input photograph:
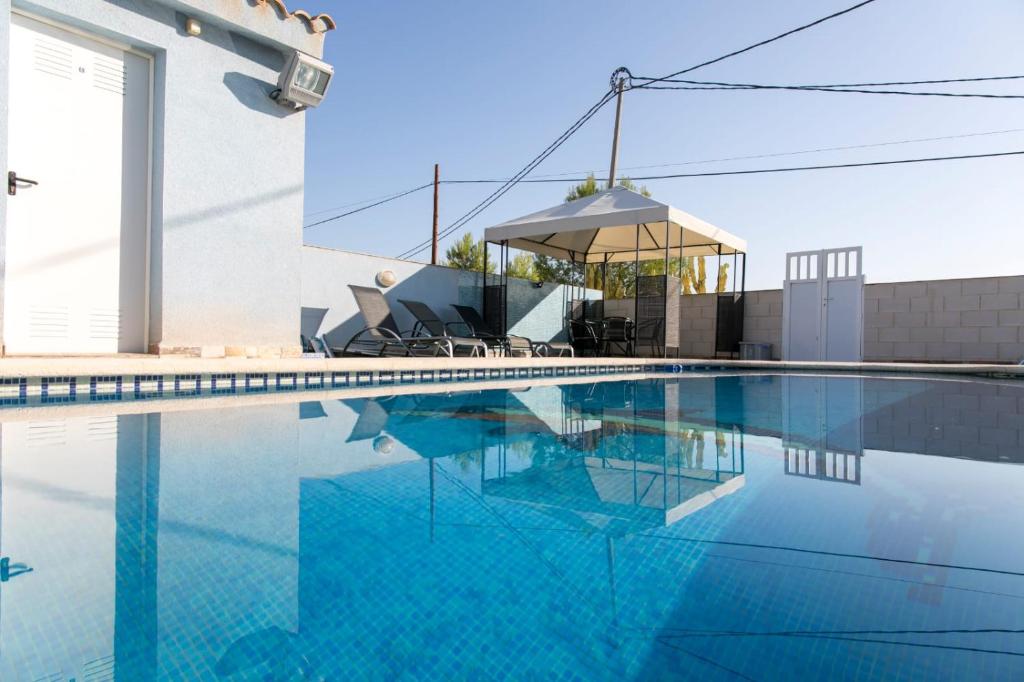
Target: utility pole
[615,135]
[433,246]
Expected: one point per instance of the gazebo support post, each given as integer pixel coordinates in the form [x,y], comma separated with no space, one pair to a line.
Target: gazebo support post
[664,324]
[718,301]
[636,288]
[483,289]
[504,303]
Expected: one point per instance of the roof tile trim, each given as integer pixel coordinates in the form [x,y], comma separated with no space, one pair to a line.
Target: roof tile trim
[320,23]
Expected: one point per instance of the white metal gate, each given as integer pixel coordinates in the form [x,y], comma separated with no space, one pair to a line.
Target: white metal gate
[823,305]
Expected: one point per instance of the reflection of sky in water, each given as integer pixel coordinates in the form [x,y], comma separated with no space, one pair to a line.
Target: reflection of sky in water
[761,526]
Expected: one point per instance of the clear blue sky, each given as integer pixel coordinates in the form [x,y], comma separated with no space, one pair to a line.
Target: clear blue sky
[481,87]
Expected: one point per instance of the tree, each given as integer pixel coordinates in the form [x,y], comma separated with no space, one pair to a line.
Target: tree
[466,254]
[521,266]
[630,185]
[584,189]
[723,278]
[548,269]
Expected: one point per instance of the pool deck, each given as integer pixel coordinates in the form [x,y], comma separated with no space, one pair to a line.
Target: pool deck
[40,366]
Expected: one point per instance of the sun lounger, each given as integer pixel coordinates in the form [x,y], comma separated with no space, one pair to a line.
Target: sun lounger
[381,337]
[427,322]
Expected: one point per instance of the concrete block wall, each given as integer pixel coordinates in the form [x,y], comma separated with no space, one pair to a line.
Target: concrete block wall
[762,319]
[697,314]
[956,320]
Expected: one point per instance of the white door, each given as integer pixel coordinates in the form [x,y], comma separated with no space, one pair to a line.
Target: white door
[76,242]
[823,306]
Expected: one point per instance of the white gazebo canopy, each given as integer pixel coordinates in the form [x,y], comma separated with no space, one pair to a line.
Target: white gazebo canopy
[614,226]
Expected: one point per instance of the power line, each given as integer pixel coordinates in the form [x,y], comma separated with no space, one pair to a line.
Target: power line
[768,170]
[331,209]
[830,166]
[378,203]
[796,153]
[604,100]
[710,174]
[511,182]
[850,85]
[712,85]
[764,42]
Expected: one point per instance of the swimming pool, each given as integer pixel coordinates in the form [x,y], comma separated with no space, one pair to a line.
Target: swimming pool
[758,526]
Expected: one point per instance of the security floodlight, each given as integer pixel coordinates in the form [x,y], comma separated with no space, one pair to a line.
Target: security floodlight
[304,81]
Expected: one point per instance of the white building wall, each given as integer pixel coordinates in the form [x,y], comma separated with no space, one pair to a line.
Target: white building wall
[227,167]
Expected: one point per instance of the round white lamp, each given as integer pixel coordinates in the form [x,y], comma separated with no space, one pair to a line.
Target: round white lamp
[383,445]
[386,278]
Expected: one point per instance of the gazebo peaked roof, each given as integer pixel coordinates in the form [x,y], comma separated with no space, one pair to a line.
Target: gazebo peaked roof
[606,227]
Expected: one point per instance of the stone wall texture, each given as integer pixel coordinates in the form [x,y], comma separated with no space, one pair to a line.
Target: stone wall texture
[953,320]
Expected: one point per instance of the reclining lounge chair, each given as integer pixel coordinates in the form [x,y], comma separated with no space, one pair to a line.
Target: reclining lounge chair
[514,345]
[381,337]
[428,322]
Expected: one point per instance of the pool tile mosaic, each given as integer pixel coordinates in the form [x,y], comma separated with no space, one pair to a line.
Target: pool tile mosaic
[21,391]
[658,529]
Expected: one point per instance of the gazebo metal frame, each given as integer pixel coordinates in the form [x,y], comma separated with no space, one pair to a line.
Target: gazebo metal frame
[607,254]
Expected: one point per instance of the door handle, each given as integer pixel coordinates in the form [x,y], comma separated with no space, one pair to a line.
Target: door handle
[13,180]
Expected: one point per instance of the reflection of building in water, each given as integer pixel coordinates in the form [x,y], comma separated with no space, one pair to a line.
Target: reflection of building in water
[138,520]
[822,428]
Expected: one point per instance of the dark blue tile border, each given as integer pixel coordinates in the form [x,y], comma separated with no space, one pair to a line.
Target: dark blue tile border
[96,381]
[148,378]
[112,387]
[22,384]
[187,384]
[286,381]
[217,382]
[47,383]
[257,382]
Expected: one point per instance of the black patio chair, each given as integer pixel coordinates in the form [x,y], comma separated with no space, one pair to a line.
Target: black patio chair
[648,333]
[382,338]
[429,324]
[617,332]
[584,338]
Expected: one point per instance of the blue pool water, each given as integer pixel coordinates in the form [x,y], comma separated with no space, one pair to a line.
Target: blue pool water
[763,527]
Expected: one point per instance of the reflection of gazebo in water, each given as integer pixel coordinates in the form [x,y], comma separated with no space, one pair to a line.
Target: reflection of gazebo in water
[615,497]
[596,474]
[622,226]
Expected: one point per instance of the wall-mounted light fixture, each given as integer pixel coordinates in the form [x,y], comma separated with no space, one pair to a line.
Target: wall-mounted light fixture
[193,27]
[383,444]
[303,82]
[386,278]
